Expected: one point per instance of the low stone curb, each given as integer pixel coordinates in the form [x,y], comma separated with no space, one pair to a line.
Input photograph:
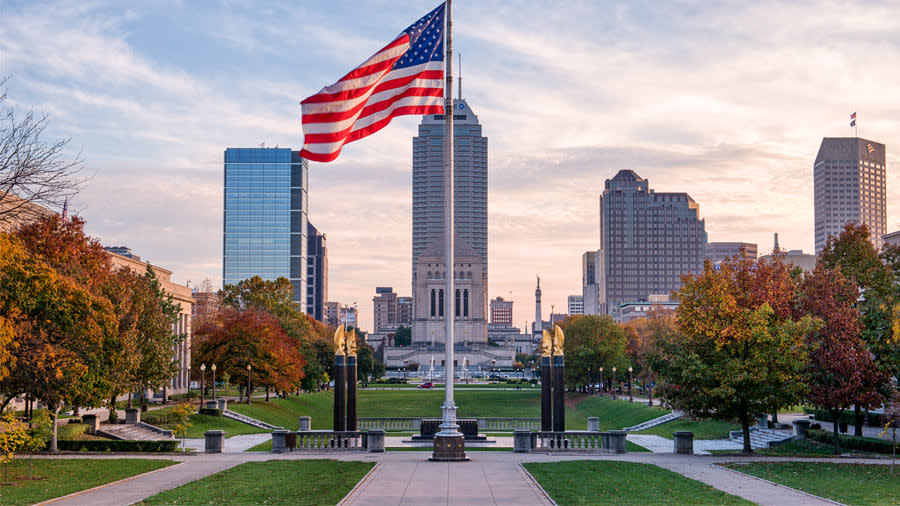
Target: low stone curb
[537,485]
[343,501]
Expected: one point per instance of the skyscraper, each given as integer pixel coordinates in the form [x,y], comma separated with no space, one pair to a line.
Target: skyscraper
[850,187]
[470,211]
[718,251]
[647,241]
[316,273]
[576,304]
[266,217]
[385,309]
[590,283]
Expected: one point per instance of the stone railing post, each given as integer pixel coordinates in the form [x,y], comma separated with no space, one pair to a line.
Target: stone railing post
[375,441]
[92,422]
[522,441]
[801,428]
[215,441]
[593,424]
[279,441]
[617,441]
[684,442]
[222,404]
[132,416]
[305,424]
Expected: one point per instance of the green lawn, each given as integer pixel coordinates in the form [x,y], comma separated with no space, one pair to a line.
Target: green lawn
[595,482]
[803,449]
[702,429]
[857,484]
[300,482]
[412,403]
[202,423]
[59,477]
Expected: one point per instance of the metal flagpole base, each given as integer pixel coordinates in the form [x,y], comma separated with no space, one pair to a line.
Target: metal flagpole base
[449,449]
[449,443]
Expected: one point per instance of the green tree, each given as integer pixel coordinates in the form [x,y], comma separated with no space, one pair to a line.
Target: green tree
[403,336]
[156,316]
[735,355]
[592,342]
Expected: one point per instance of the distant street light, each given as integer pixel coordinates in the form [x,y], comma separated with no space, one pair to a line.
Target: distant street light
[602,386]
[614,384]
[630,381]
[202,378]
[214,380]
[249,370]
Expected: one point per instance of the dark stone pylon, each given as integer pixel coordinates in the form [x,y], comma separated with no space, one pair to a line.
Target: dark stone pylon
[351,393]
[340,393]
[546,395]
[559,393]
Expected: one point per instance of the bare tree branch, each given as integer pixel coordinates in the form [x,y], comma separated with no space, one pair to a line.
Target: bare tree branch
[35,175]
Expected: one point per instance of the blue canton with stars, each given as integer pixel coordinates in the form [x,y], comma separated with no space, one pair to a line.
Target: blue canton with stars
[426,40]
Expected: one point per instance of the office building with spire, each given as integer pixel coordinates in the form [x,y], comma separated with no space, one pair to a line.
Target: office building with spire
[850,187]
[470,245]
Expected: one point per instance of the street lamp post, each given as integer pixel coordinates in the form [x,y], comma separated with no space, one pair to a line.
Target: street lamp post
[405,369]
[630,384]
[202,378]
[466,369]
[590,388]
[493,368]
[614,383]
[602,386]
[214,380]
[249,370]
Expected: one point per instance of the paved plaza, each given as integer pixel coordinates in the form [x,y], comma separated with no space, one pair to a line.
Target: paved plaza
[489,478]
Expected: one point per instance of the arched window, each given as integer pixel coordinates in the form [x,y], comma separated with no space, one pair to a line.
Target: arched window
[433,303]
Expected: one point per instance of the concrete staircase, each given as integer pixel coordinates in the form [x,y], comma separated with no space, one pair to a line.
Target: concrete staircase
[762,438]
[674,415]
[131,432]
[259,424]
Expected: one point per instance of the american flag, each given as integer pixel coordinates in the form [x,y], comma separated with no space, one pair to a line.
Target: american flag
[853,119]
[405,77]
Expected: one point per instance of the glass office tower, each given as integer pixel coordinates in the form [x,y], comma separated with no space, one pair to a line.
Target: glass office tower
[265,223]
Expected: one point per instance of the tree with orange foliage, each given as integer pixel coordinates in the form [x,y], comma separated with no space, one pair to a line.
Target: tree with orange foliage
[235,338]
[739,353]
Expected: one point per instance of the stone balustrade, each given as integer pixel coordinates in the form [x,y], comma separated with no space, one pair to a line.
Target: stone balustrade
[569,441]
[497,424]
[326,440]
[508,424]
[389,424]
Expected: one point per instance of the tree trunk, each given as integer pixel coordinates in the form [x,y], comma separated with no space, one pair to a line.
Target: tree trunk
[129,399]
[53,414]
[240,393]
[836,416]
[745,430]
[857,421]
[267,393]
[113,414]
[774,417]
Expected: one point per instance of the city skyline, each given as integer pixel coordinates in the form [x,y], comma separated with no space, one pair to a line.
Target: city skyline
[731,92]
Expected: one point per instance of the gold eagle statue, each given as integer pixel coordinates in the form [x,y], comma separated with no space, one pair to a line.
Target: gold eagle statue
[351,343]
[559,340]
[546,344]
[339,341]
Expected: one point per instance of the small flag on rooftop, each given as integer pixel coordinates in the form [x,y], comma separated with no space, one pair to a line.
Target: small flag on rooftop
[853,119]
[405,77]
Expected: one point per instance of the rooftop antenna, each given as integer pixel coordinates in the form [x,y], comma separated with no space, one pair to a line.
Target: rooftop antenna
[460,76]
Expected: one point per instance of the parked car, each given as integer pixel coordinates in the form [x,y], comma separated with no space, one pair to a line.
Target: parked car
[426,385]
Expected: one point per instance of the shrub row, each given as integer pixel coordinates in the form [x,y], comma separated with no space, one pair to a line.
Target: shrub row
[156,418]
[874,419]
[113,445]
[865,444]
[211,411]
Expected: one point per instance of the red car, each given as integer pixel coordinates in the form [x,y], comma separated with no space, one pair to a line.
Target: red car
[426,385]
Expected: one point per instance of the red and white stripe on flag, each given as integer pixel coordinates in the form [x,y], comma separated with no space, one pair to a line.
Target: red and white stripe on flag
[406,77]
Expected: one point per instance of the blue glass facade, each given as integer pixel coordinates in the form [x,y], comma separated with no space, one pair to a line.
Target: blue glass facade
[265,223]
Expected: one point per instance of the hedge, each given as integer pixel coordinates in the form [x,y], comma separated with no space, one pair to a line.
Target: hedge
[156,419]
[211,411]
[823,415]
[113,445]
[865,444]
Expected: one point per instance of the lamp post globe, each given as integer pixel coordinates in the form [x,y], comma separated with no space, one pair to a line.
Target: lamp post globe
[602,386]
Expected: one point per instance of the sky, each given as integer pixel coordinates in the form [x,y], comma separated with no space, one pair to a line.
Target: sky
[726,101]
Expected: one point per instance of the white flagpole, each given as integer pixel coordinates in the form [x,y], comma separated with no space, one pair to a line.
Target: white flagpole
[449,426]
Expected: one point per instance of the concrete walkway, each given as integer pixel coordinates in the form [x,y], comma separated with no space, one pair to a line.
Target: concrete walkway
[233,444]
[490,478]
